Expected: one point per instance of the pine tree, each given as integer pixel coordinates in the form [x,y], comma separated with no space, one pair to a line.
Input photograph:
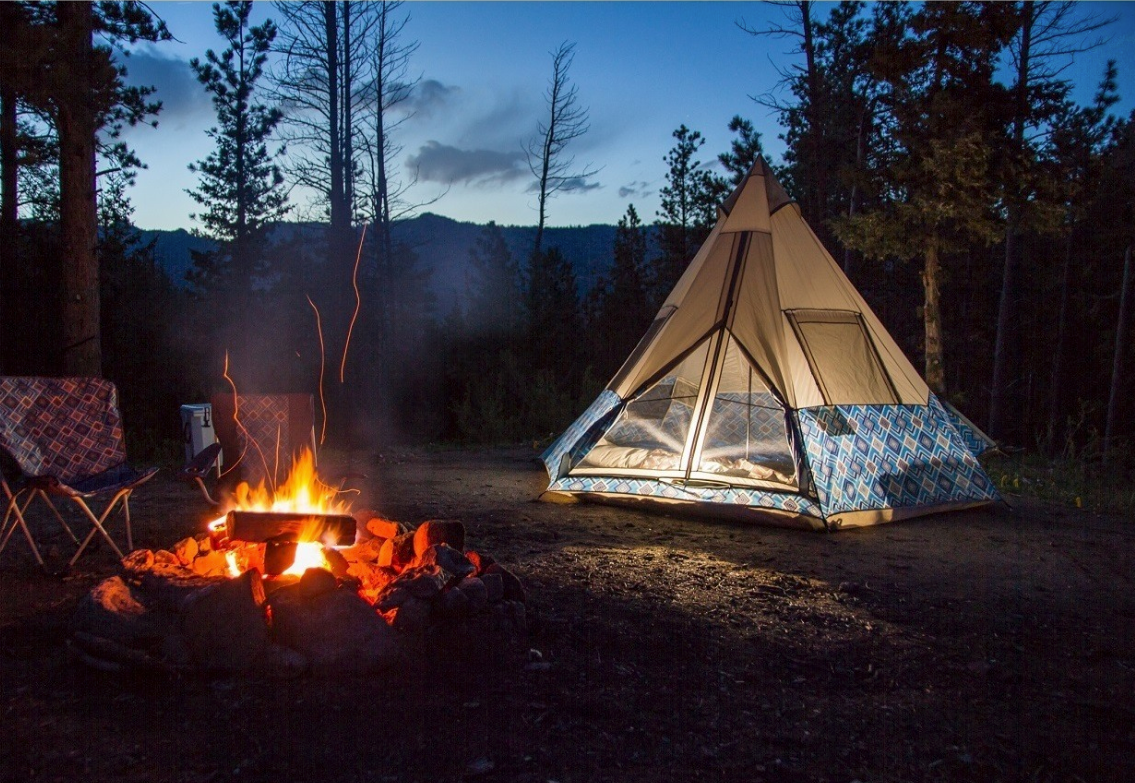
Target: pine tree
[240,185]
[622,312]
[55,66]
[743,151]
[494,286]
[941,133]
[552,314]
[689,209]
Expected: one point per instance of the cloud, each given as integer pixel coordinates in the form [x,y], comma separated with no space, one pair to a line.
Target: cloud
[436,162]
[427,97]
[183,98]
[509,119]
[635,189]
[569,185]
[578,185]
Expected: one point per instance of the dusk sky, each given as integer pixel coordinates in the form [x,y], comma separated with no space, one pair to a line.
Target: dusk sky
[642,69]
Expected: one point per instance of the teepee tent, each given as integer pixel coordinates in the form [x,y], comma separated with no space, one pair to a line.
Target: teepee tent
[765,383]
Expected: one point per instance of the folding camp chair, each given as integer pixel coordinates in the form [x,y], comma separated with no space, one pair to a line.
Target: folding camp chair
[259,435]
[65,437]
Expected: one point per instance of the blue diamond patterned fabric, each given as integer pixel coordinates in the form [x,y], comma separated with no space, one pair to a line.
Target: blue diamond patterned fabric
[647,488]
[976,441]
[889,457]
[583,432]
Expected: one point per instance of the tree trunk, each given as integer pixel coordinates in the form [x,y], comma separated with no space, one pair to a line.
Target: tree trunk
[82,353]
[338,215]
[9,216]
[1000,397]
[932,321]
[1005,343]
[1057,383]
[1122,328]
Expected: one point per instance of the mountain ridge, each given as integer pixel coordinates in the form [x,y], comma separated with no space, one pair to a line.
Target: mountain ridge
[442,244]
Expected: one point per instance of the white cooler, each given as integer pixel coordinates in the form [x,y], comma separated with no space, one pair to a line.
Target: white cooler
[197,430]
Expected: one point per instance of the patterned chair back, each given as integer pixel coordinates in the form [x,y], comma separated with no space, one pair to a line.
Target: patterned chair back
[66,428]
[273,429]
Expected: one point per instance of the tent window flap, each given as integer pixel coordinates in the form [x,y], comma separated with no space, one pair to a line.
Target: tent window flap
[651,431]
[842,357]
[746,433]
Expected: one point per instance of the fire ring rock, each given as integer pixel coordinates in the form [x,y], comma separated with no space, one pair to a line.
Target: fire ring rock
[338,632]
[225,624]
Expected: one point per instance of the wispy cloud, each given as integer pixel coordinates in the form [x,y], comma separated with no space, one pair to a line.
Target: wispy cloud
[635,189]
[436,162]
[183,98]
[428,97]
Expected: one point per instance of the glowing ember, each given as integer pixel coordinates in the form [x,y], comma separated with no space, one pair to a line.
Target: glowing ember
[308,555]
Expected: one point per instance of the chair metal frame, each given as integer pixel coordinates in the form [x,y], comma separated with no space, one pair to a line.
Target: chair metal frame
[65,435]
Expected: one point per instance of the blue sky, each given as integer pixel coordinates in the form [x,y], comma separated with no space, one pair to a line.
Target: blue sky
[642,69]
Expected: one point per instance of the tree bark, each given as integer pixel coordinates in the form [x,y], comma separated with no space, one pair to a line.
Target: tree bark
[1122,329]
[1004,347]
[1057,383]
[1000,395]
[932,321]
[9,215]
[82,352]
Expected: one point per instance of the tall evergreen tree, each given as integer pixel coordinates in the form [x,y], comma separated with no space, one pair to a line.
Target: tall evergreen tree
[1076,157]
[241,187]
[494,287]
[937,176]
[53,64]
[552,314]
[1048,34]
[743,150]
[689,204]
[622,313]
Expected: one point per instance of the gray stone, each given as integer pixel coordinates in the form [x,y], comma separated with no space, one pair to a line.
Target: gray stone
[338,633]
[186,549]
[282,663]
[114,610]
[494,586]
[448,559]
[225,625]
[475,591]
[439,532]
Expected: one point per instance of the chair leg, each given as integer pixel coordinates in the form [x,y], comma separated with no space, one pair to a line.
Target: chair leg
[58,516]
[97,523]
[16,514]
[126,513]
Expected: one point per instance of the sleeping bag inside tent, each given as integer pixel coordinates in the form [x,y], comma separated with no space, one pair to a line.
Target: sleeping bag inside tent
[765,384]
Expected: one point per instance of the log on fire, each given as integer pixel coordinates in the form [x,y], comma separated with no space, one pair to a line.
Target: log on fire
[261,526]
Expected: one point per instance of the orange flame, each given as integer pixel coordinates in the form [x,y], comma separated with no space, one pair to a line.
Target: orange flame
[302,492]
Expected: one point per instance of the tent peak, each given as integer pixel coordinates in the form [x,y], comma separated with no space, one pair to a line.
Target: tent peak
[777,196]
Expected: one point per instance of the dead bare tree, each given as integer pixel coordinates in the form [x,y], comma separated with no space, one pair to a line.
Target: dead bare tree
[565,121]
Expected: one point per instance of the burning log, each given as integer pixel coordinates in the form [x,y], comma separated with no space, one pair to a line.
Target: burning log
[261,526]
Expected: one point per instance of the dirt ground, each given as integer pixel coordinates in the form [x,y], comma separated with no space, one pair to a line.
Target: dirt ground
[973,646]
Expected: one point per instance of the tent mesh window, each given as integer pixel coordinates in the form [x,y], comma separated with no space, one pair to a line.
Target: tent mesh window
[651,431]
[746,432]
[842,358]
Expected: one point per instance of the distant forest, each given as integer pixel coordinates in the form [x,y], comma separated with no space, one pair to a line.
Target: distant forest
[936,149]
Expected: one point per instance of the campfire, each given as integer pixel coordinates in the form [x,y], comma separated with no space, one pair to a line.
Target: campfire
[290,580]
